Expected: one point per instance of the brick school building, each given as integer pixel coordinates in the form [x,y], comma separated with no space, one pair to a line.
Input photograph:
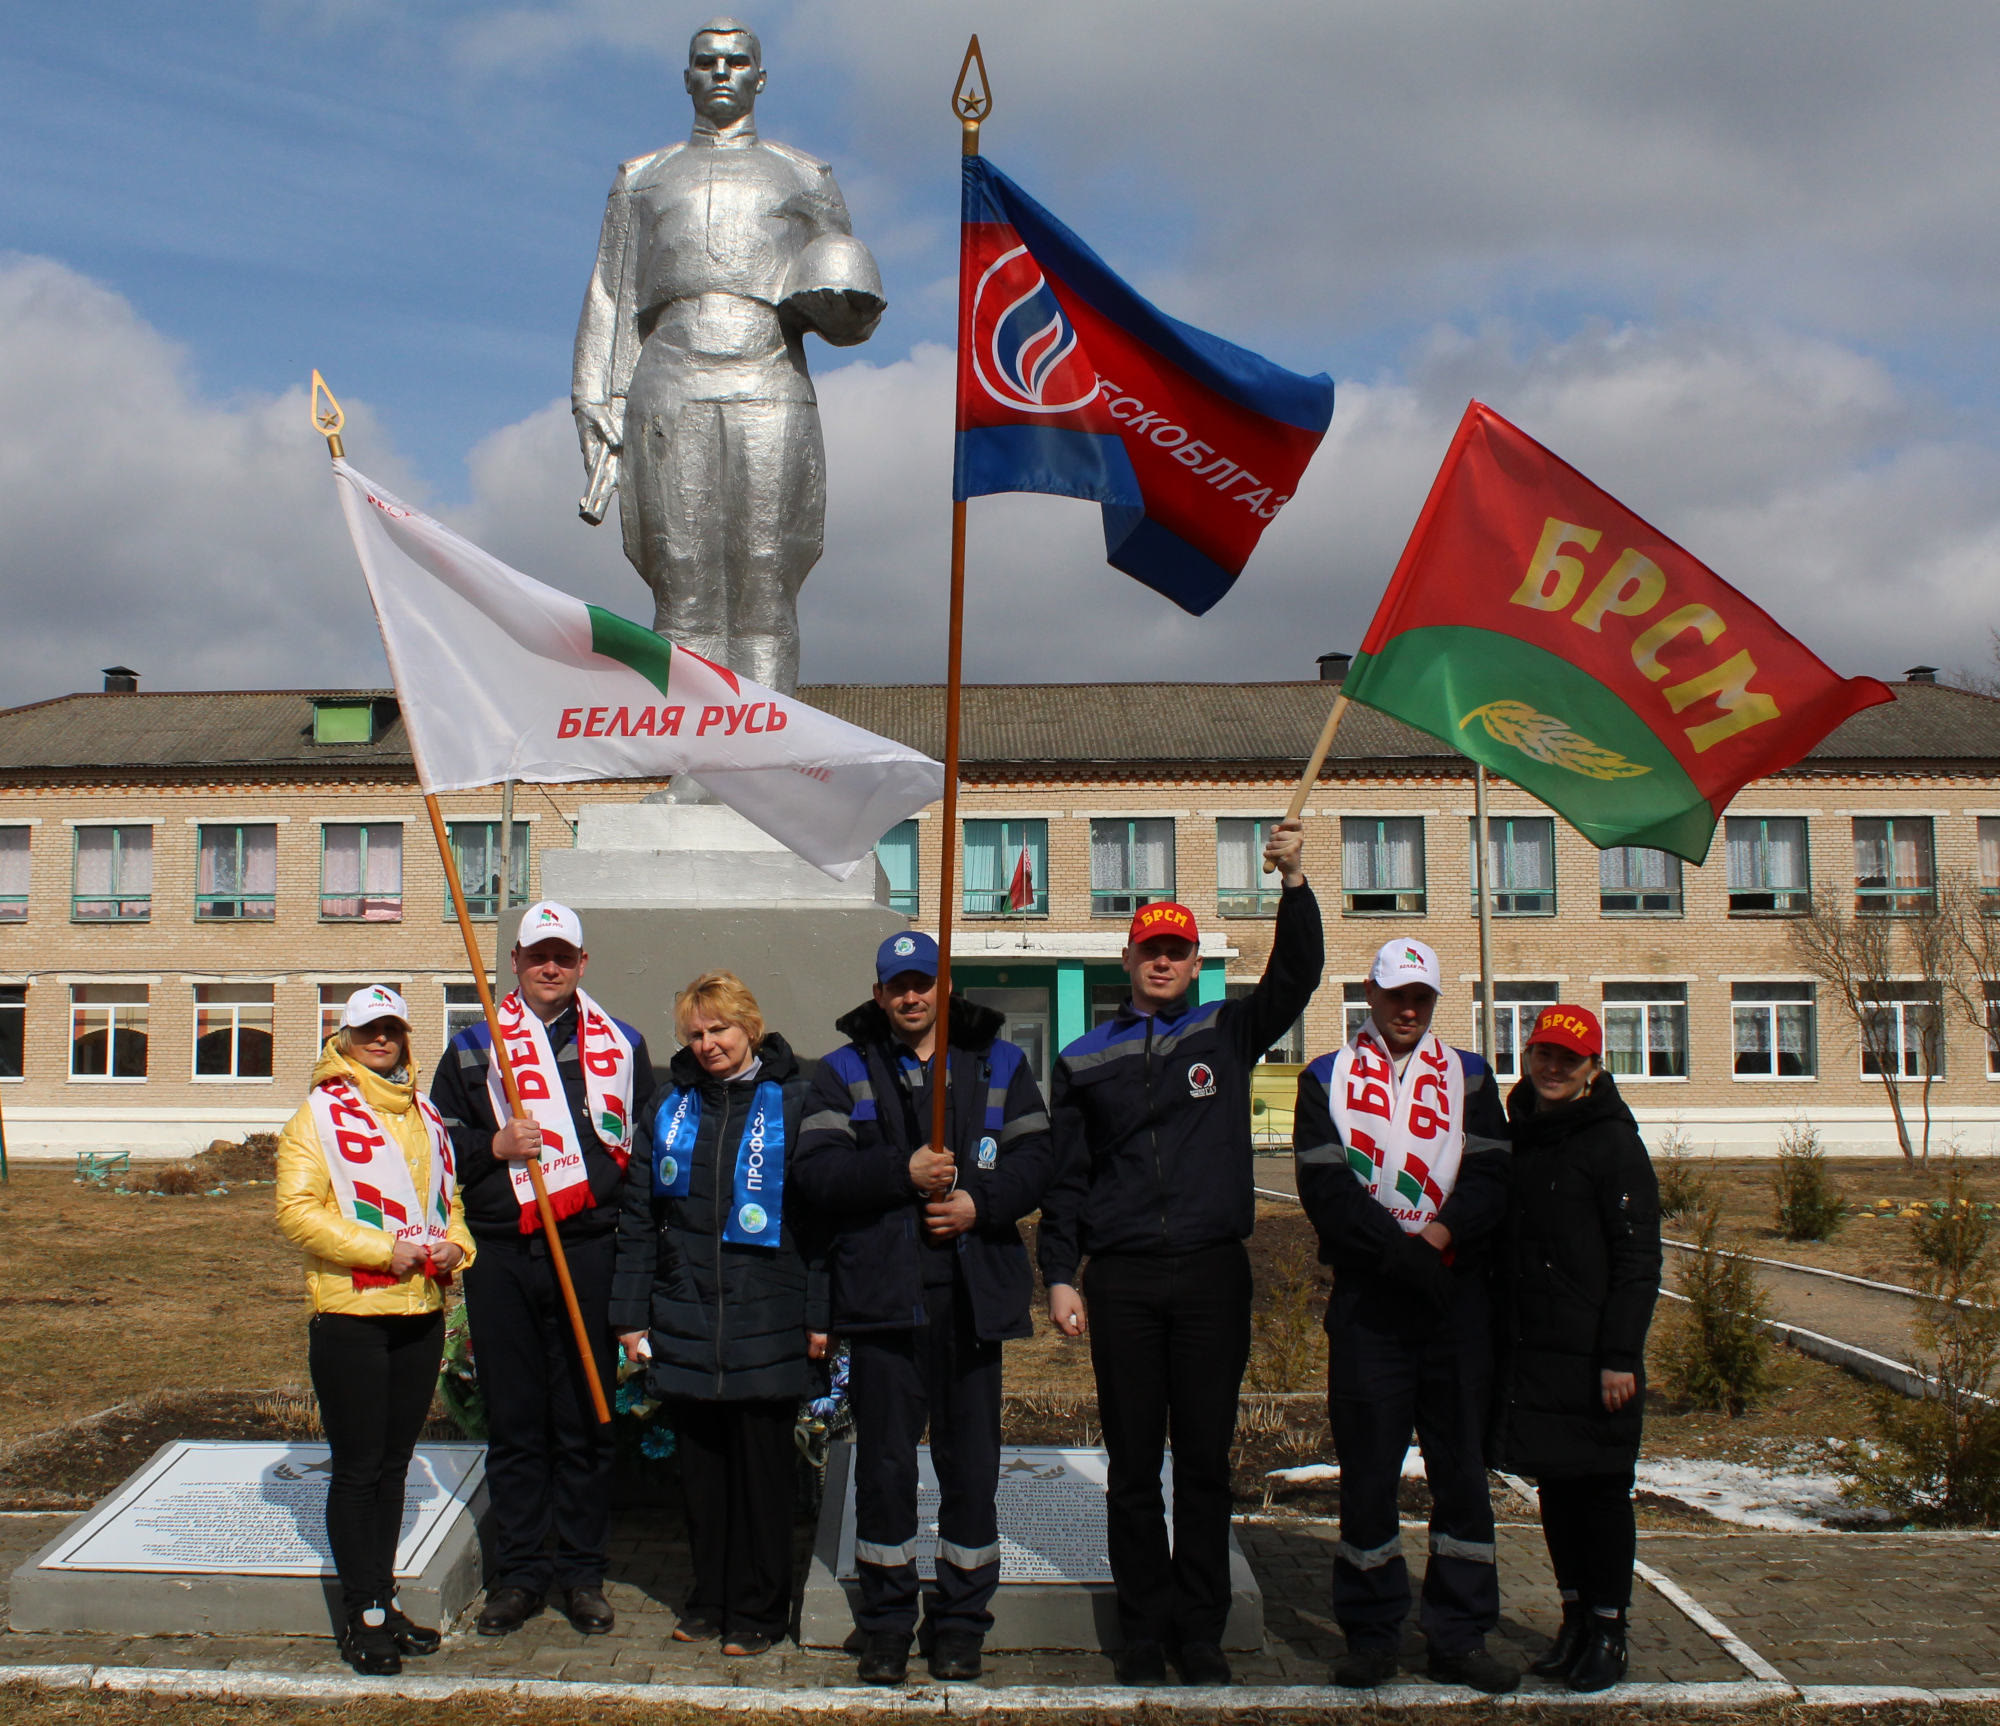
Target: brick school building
[190,882]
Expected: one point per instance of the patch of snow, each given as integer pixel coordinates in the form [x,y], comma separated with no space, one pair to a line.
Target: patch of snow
[1791,1500]
[1322,1473]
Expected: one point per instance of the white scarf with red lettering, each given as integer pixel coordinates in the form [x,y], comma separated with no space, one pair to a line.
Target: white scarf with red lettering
[606,1054]
[1404,1137]
[371,1178]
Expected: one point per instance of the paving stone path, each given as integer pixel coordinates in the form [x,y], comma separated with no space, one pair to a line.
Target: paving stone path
[1820,1609]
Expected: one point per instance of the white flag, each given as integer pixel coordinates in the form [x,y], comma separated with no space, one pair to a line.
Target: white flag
[501,678]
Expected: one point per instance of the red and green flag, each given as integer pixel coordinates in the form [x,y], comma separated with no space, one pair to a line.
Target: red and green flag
[1540,627]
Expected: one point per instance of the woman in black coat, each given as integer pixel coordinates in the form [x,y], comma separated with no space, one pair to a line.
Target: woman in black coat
[713,1290]
[1582,1266]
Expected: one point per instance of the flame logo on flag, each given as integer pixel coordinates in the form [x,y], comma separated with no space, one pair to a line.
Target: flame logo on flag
[1024,348]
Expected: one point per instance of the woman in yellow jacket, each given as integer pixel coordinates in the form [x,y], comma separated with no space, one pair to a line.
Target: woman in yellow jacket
[366,1186]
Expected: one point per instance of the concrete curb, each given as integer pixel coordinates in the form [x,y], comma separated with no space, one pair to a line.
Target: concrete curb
[238,1685]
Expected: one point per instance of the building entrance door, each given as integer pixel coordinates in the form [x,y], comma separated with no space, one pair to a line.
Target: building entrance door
[1028,1024]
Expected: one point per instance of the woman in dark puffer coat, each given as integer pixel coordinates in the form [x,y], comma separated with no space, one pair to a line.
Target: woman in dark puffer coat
[715,1291]
[1582,1271]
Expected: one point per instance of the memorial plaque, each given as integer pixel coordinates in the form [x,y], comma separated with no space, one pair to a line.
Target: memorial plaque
[1050,1508]
[222,1509]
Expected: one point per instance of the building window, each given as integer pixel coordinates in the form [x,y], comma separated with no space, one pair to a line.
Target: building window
[1635,882]
[1381,864]
[1131,864]
[1006,868]
[1908,1025]
[14,860]
[343,721]
[114,875]
[1646,1030]
[1989,863]
[1522,849]
[1993,1030]
[1107,1001]
[107,1030]
[1892,863]
[361,872]
[1354,1009]
[1291,1046]
[475,850]
[1774,1030]
[897,849]
[461,1008]
[1242,889]
[232,1030]
[237,873]
[1767,866]
[1516,1007]
[13,1030]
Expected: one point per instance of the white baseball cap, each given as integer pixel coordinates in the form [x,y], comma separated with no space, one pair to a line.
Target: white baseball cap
[377,1001]
[545,920]
[1401,962]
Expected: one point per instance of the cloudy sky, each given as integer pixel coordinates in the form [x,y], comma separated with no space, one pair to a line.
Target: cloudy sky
[1741,265]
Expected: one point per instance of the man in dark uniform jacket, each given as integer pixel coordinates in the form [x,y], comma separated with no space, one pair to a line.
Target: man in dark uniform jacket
[929,1278]
[1152,1128]
[548,1460]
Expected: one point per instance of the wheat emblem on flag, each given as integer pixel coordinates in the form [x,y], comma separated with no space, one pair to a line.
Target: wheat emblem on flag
[1544,737]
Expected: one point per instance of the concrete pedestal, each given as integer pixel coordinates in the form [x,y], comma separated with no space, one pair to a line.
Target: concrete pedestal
[667,891]
[1027,1615]
[193,1543]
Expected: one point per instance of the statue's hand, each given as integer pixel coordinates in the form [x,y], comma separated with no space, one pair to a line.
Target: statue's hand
[596,427]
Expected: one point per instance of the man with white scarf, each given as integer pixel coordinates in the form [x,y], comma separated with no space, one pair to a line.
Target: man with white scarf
[583,1077]
[1401,1150]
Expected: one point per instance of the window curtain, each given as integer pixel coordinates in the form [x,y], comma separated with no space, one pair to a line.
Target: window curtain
[94,850]
[1107,857]
[1523,854]
[1634,869]
[14,860]
[982,857]
[1234,843]
[1152,857]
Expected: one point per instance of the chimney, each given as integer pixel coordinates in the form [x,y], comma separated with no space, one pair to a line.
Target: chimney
[1921,674]
[1333,667]
[120,680]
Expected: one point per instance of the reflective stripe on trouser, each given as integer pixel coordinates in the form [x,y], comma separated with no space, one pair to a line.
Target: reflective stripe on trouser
[939,1373]
[1379,1390]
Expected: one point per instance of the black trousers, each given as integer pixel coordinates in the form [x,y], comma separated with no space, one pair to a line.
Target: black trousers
[1380,1388]
[374,1378]
[548,1461]
[1169,1339]
[739,1470]
[1588,1524]
[941,1375]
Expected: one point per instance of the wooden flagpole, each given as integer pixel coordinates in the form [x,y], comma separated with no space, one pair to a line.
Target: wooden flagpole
[328,421]
[972,102]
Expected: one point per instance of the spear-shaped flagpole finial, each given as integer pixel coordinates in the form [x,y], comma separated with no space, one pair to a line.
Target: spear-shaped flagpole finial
[972,97]
[327,418]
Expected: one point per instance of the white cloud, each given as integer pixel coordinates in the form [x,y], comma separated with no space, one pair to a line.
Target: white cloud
[199,540]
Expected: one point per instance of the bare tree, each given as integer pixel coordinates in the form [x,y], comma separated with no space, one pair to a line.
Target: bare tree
[1970,913]
[1982,681]
[1854,953]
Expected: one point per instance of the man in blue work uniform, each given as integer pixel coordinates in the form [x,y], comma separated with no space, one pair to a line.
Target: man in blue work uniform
[929,1277]
[1152,1127]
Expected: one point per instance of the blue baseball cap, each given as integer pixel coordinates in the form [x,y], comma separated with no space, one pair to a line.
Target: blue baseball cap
[912,950]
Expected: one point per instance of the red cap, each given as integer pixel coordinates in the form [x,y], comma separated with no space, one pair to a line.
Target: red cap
[1165,918]
[1569,1028]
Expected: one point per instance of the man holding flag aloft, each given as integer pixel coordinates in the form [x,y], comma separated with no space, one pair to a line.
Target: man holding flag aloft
[1401,1147]
[583,1076]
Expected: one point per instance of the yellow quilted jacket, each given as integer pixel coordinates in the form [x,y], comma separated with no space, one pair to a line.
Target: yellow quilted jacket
[336,1245]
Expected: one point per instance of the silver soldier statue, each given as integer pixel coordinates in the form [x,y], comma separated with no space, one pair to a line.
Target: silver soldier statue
[690,387]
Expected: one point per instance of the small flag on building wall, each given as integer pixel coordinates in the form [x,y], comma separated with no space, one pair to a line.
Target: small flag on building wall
[1021,890]
[500,677]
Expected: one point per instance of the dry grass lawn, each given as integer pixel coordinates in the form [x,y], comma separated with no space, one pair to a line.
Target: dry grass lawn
[104,1297]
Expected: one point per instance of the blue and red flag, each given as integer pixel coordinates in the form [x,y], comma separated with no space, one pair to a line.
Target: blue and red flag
[1069,382]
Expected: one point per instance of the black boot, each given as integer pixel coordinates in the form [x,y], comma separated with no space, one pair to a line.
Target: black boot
[1603,1660]
[411,1637]
[1559,1659]
[367,1643]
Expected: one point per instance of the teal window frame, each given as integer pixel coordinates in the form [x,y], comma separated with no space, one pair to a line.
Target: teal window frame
[484,905]
[237,907]
[897,850]
[1261,898]
[1008,836]
[1124,900]
[1508,900]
